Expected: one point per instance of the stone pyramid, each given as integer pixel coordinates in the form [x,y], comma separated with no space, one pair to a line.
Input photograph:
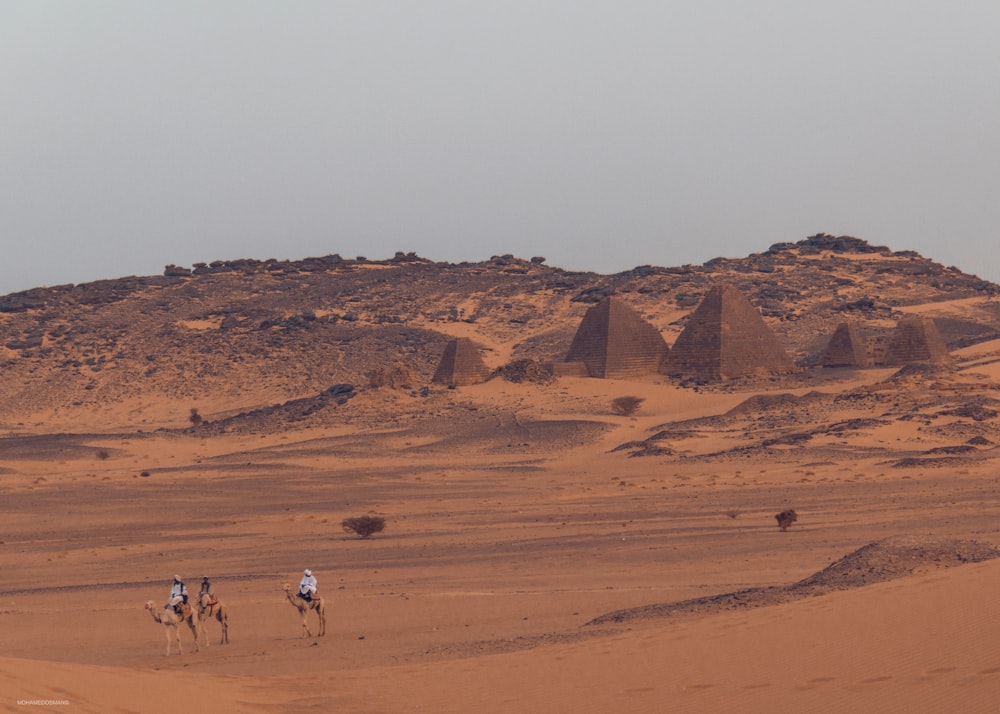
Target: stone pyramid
[846,348]
[614,341]
[915,339]
[461,364]
[726,338]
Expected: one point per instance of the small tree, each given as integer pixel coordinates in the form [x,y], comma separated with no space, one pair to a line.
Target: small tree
[364,526]
[195,417]
[626,406]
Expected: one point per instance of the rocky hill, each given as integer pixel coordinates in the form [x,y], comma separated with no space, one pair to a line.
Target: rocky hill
[251,333]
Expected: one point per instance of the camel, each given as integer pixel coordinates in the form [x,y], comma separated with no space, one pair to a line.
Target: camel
[171,622]
[210,608]
[303,607]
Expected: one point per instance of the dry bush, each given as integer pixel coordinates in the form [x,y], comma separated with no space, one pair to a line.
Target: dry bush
[195,417]
[364,526]
[786,518]
[626,406]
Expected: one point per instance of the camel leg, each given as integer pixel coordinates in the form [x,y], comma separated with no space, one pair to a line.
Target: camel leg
[305,624]
[166,631]
[203,624]
[224,620]
[321,611]
[201,634]
[194,632]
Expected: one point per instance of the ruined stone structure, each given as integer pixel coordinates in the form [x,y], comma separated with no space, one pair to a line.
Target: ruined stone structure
[846,348]
[726,338]
[915,339]
[613,341]
[394,376]
[461,364]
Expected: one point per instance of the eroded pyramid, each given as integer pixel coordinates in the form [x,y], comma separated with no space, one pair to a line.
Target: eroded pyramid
[915,339]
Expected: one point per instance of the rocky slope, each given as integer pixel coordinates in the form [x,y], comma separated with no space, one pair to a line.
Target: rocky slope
[250,333]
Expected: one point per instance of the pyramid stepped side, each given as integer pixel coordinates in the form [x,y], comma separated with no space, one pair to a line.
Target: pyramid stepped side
[748,344]
[635,346]
[575,368]
[915,339]
[614,341]
[726,338]
[847,347]
[590,343]
[697,352]
[461,364]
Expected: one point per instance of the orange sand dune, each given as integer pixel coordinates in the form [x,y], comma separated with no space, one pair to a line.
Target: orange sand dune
[927,643]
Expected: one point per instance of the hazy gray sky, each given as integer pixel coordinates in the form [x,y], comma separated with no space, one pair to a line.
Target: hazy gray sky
[601,135]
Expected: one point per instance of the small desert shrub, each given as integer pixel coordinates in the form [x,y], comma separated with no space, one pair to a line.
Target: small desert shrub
[786,519]
[195,417]
[102,455]
[626,406]
[364,526]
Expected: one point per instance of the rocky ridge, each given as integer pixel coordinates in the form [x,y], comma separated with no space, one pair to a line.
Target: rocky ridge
[299,327]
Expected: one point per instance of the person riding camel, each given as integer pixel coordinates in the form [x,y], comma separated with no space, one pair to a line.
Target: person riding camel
[178,595]
[307,586]
[206,587]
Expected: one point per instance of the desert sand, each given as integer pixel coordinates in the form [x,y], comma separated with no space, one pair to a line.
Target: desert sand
[543,552]
[514,520]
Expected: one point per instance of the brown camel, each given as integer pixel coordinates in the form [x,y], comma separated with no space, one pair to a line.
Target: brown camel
[171,622]
[209,608]
[303,607]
